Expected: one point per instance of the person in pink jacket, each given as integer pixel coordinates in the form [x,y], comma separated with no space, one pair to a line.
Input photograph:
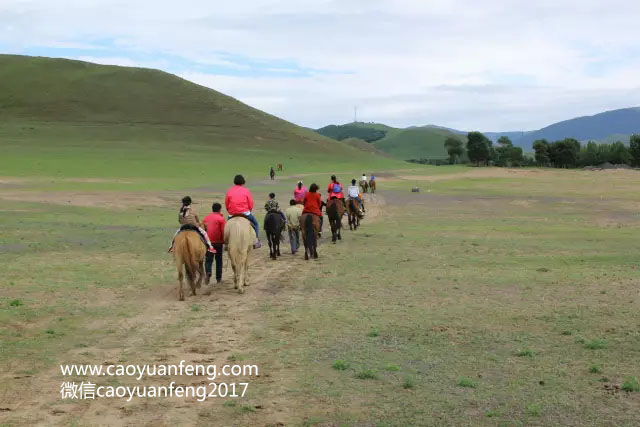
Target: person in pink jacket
[299,192]
[238,201]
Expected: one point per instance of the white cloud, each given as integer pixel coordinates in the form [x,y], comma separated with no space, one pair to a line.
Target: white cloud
[491,65]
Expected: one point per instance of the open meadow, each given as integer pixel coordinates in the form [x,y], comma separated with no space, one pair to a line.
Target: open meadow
[492,297]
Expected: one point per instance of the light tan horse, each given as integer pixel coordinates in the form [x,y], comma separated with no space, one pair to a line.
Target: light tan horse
[189,252]
[239,237]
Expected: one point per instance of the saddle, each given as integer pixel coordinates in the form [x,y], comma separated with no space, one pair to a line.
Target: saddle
[191,227]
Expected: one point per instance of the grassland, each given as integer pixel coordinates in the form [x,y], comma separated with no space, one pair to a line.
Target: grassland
[492,297]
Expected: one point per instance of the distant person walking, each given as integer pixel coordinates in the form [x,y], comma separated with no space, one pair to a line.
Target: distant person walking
[239,202]
[294,212]
[299,192]
[214,223]
[272,173]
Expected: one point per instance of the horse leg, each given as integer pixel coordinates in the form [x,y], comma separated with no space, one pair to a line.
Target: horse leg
[201,275]
[278,245]
[180,283]
[241,271]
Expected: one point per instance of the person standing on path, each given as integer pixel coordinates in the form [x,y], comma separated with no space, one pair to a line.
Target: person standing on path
[214,224]
[294,212]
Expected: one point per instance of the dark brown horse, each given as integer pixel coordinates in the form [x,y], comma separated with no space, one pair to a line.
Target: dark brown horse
[273,226]
[372,185]
[364,185]
[310,227]
[354,214]
[335,211]
[189,253]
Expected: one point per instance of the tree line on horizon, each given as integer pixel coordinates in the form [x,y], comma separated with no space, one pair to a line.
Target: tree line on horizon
[564,153]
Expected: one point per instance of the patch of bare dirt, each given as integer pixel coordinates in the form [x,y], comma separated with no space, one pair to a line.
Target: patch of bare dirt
[104,199]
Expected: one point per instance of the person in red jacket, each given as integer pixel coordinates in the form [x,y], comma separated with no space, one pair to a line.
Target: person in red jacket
[313,203]
[214,224]
[238,201]
[335,190]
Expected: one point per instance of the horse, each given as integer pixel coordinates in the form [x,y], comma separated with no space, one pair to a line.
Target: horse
[189,252]
[335,210]
[354,214]
[372,185]
[310,227]
[280,167]
[364,185]
[273,226]
[239,236]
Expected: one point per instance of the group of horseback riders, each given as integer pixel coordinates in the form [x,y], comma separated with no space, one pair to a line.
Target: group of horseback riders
[239,202]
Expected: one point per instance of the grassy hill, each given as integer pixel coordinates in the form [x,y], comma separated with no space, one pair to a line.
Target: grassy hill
[425,142]
[62,117]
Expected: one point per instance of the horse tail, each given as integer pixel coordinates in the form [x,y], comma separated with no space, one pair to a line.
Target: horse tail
[309,231]
[190,262]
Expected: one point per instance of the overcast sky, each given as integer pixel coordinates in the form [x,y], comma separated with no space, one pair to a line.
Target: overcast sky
[491,65]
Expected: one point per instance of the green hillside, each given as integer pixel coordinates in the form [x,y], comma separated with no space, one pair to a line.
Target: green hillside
[416,143]
[61,117]
[425,142]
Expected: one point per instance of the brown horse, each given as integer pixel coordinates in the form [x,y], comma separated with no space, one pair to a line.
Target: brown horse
[279,167]
[372,185]
[238,238]
[189,252]
[335,211]
[310,227]
[354,214]
[364,185]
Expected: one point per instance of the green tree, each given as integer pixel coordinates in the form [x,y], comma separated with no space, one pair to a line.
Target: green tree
[634,149]
[503,151]
[619,153]
[454,148]
[479,148]
[541,148]
[564,153]
[590,154]
[517,157]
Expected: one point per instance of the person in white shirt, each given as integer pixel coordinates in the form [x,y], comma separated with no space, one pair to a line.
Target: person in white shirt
[354,193]
[364,177]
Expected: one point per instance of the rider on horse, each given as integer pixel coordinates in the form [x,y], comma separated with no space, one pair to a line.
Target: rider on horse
[188,219]
[272,206]
[239,202]
[354,193]
[313,203]
[335,190]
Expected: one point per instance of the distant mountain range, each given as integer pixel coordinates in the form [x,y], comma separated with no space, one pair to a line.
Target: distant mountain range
[428,141]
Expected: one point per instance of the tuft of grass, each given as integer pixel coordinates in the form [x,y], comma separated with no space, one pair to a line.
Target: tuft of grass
[195,307]
[566,333]
[366,374]
[525,353]
[631,384]
[391,367]
[534,410]
[466,382]
[340,365]
[50,331]
[596,344]
[229,403]
[491,414]
[595,369]
[409,382]
[15,303]
[373,333]
[248,408]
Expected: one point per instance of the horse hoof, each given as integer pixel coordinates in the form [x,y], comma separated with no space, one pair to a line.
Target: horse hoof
[241,291]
